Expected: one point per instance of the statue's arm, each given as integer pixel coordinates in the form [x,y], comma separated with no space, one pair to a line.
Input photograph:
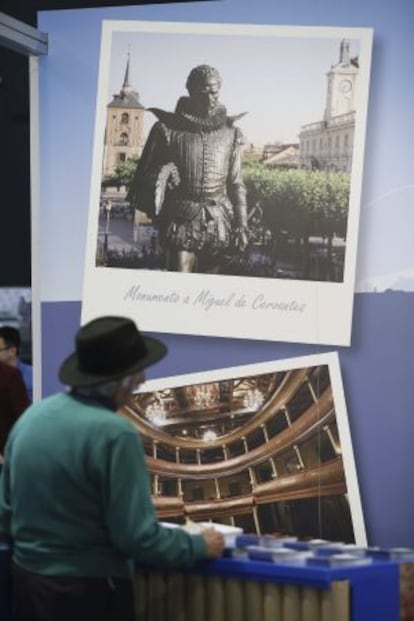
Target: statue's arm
[141,192]
[235,184]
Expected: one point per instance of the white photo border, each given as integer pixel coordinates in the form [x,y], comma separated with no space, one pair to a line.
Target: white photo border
[270,309]
[331,360]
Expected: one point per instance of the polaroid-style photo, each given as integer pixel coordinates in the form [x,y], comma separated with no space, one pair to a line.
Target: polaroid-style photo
[264,447]
[226,178]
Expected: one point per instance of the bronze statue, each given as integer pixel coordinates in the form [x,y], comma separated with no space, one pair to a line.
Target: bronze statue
[189,180]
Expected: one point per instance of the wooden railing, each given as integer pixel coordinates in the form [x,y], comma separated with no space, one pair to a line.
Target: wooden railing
[324,480]
[306,425]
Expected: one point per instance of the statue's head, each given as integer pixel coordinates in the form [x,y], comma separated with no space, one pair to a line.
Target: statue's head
[200,76]
[203,85]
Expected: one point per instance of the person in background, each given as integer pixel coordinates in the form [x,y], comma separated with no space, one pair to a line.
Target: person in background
[13,401]
[75,499]
[9,353]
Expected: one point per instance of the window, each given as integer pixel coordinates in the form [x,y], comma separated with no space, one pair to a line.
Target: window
[235,489]
[123,139]
[125,118]
[197,493]
[121,157]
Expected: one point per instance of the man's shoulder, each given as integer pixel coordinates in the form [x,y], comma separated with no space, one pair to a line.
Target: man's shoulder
[7,370]
[8,374]
[236,132]
[51,402]
[166,121]
[87,416]
[119,423]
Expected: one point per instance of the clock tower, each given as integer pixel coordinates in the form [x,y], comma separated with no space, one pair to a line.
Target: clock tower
[341,84]
[328,144]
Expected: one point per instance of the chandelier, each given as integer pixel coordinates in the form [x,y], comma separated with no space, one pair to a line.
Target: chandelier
[253,399]
[209,435]
[156,413]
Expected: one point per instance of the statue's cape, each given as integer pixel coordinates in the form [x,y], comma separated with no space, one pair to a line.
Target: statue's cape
[182,118]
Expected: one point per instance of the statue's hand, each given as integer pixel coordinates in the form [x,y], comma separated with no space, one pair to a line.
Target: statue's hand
[174,178]
[241,239]
[168,179]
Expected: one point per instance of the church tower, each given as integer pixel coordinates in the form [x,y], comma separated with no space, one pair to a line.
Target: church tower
[124,133]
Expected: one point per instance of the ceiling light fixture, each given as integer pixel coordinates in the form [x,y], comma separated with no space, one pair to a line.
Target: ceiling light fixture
[253,399]
[209,435]
[156,414]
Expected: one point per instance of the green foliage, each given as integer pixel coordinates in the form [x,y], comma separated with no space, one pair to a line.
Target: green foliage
[123,172]
[299,202]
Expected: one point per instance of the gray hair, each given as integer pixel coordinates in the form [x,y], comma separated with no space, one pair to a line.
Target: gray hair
[107,390]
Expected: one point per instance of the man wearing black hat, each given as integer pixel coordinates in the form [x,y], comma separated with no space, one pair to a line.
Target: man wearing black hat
[74,493]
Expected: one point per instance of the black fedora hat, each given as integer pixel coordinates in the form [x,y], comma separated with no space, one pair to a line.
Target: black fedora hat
[106,349]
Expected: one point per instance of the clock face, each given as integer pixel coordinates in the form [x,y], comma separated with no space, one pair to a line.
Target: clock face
[345,86]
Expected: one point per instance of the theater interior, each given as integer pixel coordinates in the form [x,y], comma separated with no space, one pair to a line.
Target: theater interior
[260,452]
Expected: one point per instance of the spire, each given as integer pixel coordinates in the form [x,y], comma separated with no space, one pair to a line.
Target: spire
[126,87]
[344,52]
[127,95]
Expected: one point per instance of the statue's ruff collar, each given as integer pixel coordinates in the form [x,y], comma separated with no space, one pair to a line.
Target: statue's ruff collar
[183,117]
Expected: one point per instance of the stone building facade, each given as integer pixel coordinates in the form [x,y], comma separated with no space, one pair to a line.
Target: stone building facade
[328,144]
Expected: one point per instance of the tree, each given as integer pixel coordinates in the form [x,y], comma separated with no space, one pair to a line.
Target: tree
[123,172]
[301,202]
[298,204]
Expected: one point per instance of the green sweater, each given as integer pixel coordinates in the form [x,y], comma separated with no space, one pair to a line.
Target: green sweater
[75,497]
